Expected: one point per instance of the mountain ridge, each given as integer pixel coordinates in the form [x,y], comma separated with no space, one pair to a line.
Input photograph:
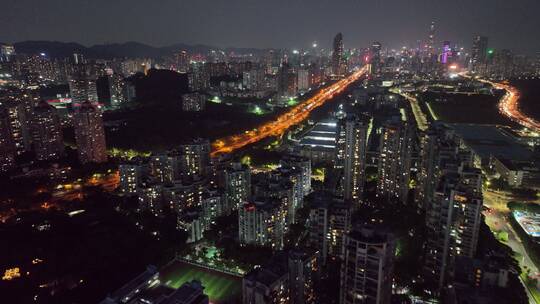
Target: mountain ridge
[129,49]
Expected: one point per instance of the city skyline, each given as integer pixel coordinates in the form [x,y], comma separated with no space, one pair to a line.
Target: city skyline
[392,22]
[393,157]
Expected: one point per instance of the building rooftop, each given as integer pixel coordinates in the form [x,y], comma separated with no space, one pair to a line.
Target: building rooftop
[323,135]
[529,222]
[489,140]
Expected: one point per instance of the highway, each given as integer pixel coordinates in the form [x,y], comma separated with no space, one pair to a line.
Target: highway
[509,106]
[283,122]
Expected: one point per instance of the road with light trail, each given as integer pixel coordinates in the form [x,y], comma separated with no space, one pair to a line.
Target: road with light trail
[286,120]
[509,105]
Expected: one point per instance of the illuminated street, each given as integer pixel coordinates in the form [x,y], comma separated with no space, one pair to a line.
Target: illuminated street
[497,220]
[509,106]
[419,116]
[286,120]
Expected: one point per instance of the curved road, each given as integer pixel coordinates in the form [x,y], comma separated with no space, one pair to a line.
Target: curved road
[286,120]
[509,106]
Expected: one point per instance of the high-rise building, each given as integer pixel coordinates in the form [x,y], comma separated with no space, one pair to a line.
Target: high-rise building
[329,221]
[453,221]
[292,176]
[130,176]
[47,138]
[13,110]
[446,52]
[450,190]
[162,168]
[394,160]
[304,268]
[479,53]
[287,86]
[303,80]
[262,223]
[288,277]
[437,147]
[182,62]
[199,77]
[181,195]
[253,79]
[237,182]
[304,164]
[82,85]
[151,197]
[193,102]
[376,60]
[281,185]
[367,267]
[268,284]
[431,40]
[193,222]
[213,205]
[7,143]
[353,149]
[117,89]
[193,159]
[503,66]
[338,66]
[89,134]
[269,62]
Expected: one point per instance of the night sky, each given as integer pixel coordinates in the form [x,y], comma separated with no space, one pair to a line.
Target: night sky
[272,23]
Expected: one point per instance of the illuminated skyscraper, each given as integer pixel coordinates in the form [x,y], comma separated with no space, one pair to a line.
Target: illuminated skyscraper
[117,89]
[162,168]
[193,102]
[182,62]
[262,223]
[453,220]
[130,177]
[253,79]
[7,144]
[237,182]
[338,66]
[394,161]
[431,41]
[329,221]
[367,267]
[47,135]
[479,53]
[193,159]
[287,82]
[268,284]
[303,164]
[437,146]
[89,134]
[303,271]
[446,52]
[82,85]
[376,60]
[354,147]
[303,80]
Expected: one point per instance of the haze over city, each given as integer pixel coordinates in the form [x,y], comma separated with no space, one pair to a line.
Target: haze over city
[268,24]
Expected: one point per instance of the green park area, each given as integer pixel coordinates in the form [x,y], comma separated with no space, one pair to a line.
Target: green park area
[220,287]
